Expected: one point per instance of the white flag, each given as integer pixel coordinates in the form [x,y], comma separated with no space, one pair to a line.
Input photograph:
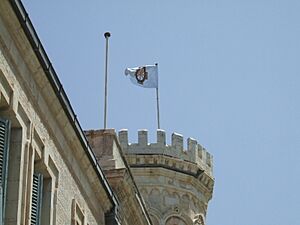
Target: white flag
[144,76]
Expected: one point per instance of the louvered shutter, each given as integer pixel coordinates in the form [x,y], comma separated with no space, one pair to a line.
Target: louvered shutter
[4,147]
[36,203]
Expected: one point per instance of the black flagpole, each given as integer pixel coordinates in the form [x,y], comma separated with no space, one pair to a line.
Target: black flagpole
[106,35]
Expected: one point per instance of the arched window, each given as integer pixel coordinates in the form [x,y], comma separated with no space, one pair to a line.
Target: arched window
[174,220]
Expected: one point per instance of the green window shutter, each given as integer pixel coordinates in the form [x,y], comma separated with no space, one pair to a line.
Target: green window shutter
[36,203]
[4,147]
[1,207]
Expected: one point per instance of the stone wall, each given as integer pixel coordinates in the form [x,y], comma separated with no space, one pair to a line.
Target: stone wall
[43,140]
[110,156]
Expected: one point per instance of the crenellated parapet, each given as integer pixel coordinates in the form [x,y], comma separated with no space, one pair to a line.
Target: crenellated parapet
[194,153]
[176,182]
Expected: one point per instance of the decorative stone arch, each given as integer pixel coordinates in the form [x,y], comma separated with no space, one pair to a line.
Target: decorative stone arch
[154,198]
[175,220]
[165,195]
[194,203]
[202,208]
[185,201]
[179,217]
[175,196]
[144,193]
[154,219]
[156,214]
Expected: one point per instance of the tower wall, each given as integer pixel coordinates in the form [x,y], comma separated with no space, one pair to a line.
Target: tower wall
[176,183]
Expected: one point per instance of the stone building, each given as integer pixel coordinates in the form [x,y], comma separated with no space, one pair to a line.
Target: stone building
[176,184]
[51,172]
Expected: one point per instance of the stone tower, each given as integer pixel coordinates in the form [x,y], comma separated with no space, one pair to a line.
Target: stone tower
[176,184]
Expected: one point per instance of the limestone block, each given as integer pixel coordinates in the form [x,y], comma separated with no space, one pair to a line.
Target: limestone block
[161,138]
[123,138]
[177,142]
[192,149]
[143,137]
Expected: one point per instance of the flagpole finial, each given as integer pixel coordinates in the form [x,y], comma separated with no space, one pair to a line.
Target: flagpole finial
[106,34]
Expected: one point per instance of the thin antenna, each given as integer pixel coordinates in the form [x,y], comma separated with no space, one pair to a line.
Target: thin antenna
[106,35]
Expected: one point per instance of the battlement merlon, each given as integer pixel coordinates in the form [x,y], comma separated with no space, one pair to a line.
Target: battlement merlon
[194,153]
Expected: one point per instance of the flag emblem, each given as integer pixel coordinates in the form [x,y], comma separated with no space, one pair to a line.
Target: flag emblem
[141,75]
[145,76]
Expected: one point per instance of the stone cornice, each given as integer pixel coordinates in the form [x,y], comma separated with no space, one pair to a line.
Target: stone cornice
[170,166]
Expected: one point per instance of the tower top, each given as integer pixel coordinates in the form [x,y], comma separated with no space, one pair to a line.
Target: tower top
[194,153]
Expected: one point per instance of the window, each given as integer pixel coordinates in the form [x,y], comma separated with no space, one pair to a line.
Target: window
[4,148]
[44,186]
[78,217]
[36,199]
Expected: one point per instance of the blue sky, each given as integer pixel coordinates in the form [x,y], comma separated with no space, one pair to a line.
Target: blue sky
[229,76]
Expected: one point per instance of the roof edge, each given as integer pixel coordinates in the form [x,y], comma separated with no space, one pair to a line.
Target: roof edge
[52,77]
